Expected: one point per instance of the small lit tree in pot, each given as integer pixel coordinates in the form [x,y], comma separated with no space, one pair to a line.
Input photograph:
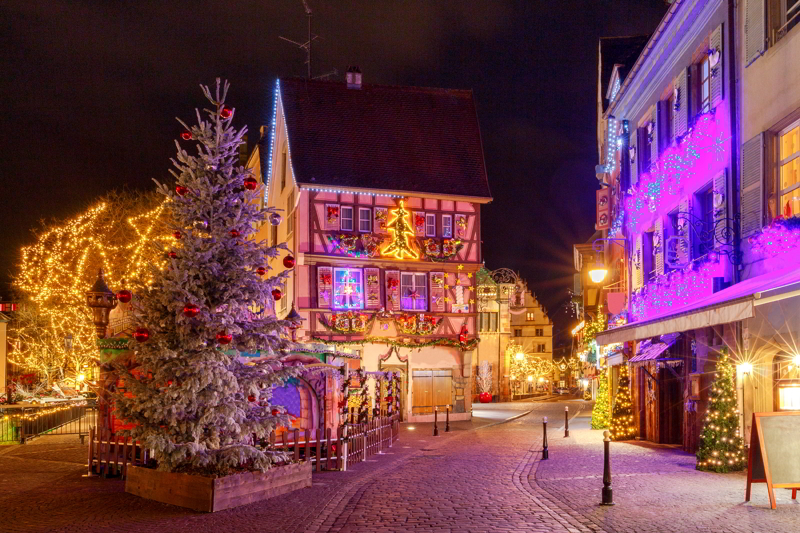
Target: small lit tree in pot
[484,381]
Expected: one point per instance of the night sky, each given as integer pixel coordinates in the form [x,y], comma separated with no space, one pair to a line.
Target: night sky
[90,90]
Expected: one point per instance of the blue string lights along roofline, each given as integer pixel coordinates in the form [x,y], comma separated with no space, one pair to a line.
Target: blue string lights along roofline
[272,138]
[344,191]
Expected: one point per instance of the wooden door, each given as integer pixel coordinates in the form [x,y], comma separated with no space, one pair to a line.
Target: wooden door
[442,387]
[422,392]
[671,407]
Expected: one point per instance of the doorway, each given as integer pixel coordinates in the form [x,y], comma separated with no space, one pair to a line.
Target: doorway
[431,388]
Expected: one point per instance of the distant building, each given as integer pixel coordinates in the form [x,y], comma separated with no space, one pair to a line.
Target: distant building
[509,314]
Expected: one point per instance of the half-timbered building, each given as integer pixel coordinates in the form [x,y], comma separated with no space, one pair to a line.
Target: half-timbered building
[381,188]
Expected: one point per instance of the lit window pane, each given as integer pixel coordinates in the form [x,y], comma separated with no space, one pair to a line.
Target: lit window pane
[790,204]
[790,174]
[348,288]
[790,143]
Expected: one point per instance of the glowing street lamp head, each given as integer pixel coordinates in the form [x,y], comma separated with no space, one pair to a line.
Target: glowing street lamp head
[796,360]
[746,368]
[520,356]
[598,274]
[530,378]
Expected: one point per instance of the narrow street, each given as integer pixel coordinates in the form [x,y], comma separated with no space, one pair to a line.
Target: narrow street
[485,475]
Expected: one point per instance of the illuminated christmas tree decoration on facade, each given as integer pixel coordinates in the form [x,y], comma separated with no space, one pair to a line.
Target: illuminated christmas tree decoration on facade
[401,229]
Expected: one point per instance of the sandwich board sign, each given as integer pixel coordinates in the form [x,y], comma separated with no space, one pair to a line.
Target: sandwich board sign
[774,456]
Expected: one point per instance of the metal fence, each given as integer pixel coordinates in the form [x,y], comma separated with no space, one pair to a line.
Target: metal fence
[20,423]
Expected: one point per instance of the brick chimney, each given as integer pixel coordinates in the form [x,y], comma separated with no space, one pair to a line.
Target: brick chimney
[353,77]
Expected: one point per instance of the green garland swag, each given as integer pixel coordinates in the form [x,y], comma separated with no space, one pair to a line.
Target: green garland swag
[451,343]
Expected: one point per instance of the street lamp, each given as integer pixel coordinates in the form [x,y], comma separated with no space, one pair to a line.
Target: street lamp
[598,273]
[520,356]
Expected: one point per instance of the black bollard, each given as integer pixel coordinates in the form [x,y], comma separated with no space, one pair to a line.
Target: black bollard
[566,422]
[545,452]
[435,421]
[607,496]
[447,421]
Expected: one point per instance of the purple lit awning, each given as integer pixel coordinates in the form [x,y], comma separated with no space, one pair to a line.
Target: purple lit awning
[649,351]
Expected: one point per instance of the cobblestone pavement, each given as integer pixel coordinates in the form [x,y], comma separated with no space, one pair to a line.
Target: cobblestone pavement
[473,479]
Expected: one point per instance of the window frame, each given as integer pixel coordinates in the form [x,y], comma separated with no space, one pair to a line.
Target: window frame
[430,224]
[447,228]
[342,218]
[284,165]
[704,83]
[368,220]
[419,280]
[289,214]
[781,192]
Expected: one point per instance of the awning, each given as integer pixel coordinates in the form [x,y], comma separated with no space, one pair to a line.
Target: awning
[728,305]
[649,351]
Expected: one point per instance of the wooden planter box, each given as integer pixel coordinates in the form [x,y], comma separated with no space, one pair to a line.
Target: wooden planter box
[215,494]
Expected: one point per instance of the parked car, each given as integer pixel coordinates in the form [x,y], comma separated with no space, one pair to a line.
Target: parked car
[561,390]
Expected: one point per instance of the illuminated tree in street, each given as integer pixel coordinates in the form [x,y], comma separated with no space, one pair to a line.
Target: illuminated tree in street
[116,235]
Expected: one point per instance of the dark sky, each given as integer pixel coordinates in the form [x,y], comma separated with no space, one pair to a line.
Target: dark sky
[90,90]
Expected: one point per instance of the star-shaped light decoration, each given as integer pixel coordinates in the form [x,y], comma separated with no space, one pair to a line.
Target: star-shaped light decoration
[460,267]
[446,287]
[469,275]
[458,282]
[446,299]
[472,300]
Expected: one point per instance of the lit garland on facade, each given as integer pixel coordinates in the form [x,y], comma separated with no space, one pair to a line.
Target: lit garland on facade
[779,240]
[675,289]
[450,343]
[683,167]
[56,272]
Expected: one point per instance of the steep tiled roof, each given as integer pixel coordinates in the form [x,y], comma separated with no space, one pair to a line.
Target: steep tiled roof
[382,137]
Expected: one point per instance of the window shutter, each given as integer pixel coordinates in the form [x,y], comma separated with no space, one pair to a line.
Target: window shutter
[633,156]
[638,265]
[393,290]
[654,143]
[755,30]
[658,247]
[752,200]
[717,71]
[720,197]
[324,286]
[685,231]
[680,105]
[373,284]
[437,291]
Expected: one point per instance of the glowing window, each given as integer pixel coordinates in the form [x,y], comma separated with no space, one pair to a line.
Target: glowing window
[789,168]
[414,291]
[348,288]
[447,226]
[346,218]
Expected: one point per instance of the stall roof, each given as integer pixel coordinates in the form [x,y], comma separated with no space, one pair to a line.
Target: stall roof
[649,351]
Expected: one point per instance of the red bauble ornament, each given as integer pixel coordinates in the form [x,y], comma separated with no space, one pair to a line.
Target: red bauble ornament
[186,135]
[181,190]
[172,255]
[288,261]
[389,399]
[190,310]
[277,294]
[251,398]
[234,233]
[261,271]
[176,234]
[250,183]
[224,338]
[226,112]
[485,397]
[141,334]
[275,412]
[124,296]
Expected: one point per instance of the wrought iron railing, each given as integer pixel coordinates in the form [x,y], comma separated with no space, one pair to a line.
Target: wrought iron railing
[20,423]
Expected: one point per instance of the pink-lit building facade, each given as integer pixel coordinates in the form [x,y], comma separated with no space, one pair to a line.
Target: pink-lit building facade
[381,189]
[698,173]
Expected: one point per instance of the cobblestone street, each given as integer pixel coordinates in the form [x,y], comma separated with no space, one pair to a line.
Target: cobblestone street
[482,476]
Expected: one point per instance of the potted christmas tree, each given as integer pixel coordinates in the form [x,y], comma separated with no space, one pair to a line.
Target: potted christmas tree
[484,379]
[191,399]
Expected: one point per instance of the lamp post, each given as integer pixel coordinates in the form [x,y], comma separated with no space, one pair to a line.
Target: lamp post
[296,320]
[101,300]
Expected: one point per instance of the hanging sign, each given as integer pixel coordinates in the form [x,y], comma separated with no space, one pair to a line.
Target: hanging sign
[603,209]
[774,455]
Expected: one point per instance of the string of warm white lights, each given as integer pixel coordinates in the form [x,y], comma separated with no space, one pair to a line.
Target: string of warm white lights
[52,333]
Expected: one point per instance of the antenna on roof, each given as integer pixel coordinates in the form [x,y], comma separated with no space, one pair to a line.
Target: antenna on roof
[311,38]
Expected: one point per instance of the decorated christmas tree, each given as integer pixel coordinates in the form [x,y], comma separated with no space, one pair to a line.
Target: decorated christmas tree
[601,417]
[622,427]
[721,447]
[191,398]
